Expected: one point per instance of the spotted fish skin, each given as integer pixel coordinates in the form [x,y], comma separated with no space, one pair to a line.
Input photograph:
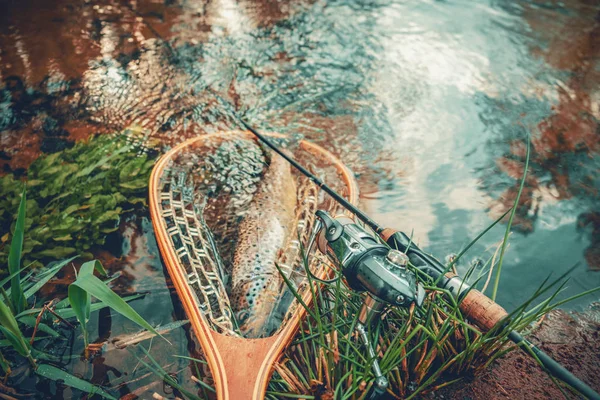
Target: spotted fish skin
[264,231]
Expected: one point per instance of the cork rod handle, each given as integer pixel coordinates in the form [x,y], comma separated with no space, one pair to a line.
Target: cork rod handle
[481,310]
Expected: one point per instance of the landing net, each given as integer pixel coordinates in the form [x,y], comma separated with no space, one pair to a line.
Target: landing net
[204,190]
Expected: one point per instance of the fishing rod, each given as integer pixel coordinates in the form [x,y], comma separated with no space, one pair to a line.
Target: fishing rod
[476,306]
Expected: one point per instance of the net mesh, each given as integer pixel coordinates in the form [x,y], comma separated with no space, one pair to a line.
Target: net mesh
[193,244]
[202,204]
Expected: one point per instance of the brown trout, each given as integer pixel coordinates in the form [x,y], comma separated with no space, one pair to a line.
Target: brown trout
[264,231]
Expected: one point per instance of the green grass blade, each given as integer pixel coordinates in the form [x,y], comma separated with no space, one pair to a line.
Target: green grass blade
[280,395]
[16,341]
[477,238]
[574,297]
[95,287]
[294,292]
[14,259]
[80,301]
[510,220]
[7,320]
[43,356]
[156,369]
[44,278]
[23,280]
[64,303]
[192,359]
[89,267]
[68,312]
[4,365]
[56,374]
[7,343]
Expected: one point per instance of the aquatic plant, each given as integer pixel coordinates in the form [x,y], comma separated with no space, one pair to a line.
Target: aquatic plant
[76,199]
[56,374]
[17,319]
[87,285]
[420,349]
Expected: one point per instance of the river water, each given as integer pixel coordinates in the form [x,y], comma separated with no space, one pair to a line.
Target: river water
[430,103]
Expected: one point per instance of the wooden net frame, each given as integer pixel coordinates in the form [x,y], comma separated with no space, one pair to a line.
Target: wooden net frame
[240,367]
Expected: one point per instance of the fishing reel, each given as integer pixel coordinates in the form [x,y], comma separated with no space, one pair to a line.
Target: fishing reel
[367,266]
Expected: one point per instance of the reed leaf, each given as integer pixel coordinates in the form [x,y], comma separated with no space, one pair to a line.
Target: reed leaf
[10,329]
[92,286]
[68,312]
[6,343]
[8,278]
[16,341]
[81,301]
[4,365]
[156,369]
[42,327]
[510,220]
[18,302]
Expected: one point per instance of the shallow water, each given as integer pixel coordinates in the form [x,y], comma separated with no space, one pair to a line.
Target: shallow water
[430,103]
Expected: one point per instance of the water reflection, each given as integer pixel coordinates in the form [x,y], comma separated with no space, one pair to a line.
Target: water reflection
[565,142]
